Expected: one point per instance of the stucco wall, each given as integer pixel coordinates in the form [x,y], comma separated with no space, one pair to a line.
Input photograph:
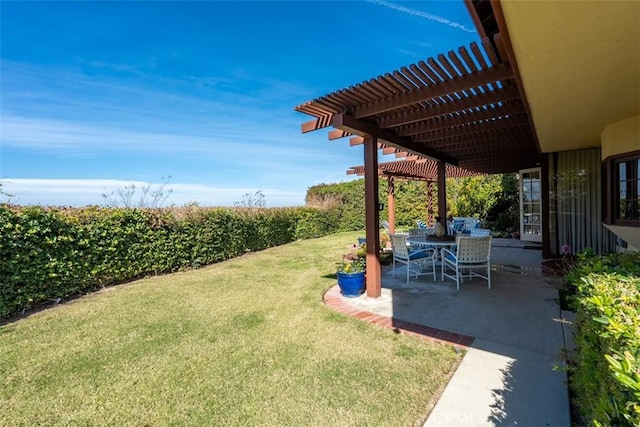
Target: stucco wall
[621,137]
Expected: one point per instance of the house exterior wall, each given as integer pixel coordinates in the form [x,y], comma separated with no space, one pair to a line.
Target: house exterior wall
[621,137]
[575,206]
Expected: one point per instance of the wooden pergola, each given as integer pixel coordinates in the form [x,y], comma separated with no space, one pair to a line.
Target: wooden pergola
[465,109]
[420,169]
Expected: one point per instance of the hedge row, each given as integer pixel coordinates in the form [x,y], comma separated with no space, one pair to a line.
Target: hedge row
[492,197]
[605,375]
[54,253]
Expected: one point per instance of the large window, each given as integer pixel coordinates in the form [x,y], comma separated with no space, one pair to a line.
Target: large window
[622,202]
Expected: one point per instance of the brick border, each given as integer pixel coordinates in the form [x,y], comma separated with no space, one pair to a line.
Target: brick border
[334,300]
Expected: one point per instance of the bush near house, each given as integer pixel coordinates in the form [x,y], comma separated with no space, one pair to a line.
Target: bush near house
[54,253]
[605,375]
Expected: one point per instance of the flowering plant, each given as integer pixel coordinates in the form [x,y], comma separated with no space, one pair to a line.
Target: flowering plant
[349,266]
[566,250]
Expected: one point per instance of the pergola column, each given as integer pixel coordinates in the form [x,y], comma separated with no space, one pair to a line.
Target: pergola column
[429,202]
[442,193]
[372,222]
[391,204]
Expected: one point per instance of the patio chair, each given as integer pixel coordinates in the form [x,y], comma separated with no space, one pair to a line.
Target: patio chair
[480,232]
[470,223]
[471,255]
[418,232]
[421,224]
[458,225]
[419,262]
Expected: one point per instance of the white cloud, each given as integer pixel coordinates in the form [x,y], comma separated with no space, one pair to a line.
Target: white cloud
[422,14]
[68,138]
[82,192]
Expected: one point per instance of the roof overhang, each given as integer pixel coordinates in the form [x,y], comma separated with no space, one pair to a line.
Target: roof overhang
[579,62]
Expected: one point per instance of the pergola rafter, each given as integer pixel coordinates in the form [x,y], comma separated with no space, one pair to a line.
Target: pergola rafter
[426,170]
[449,108]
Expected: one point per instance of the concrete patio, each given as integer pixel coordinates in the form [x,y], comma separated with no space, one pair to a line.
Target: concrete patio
[510,373]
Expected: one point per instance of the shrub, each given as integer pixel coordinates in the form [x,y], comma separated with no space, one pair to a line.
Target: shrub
[54,253]
[605,374]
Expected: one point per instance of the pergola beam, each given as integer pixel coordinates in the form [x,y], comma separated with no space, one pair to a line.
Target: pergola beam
[337,134]
[356,140]
[462,104]
[350,124]
[489,75]
[462,119]
[485,127]
[316,124]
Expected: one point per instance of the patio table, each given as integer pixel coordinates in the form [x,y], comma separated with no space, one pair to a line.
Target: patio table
[432,241]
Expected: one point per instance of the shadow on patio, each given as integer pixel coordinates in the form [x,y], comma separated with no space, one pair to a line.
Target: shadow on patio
[508,375]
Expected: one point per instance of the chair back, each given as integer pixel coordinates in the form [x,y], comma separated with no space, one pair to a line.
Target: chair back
[470,223]
[480,232]
[399,246]
[418,232]
[473,249]
[458,225]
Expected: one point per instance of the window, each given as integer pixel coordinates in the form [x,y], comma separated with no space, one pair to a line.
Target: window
[621,189]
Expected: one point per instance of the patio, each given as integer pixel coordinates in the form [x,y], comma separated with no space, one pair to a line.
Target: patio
[508,373]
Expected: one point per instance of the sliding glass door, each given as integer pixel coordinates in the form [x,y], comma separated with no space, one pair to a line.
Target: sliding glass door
[530,205]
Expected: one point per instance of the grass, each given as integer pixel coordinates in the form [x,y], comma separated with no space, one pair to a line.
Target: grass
[243,342]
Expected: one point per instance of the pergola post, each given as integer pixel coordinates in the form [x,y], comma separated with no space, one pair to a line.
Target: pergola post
[429,202]
[374,288]
[442,193]
[391,204]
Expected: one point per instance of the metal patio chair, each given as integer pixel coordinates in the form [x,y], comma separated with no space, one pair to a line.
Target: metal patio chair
[419,262]
[471,258]
[480,232]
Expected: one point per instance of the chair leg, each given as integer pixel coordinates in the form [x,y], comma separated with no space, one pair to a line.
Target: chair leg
[408,271]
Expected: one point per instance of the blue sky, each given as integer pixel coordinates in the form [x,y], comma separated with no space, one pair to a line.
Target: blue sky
[97,95]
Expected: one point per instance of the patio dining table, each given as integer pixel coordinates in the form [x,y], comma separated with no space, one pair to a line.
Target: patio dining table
[432,241]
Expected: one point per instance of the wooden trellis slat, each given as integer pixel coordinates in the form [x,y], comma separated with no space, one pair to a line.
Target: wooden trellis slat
[462,104]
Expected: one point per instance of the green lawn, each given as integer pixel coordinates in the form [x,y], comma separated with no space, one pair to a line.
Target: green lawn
[243,342]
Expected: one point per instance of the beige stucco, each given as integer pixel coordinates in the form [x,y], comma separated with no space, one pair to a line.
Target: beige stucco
[580,66]
[621,137]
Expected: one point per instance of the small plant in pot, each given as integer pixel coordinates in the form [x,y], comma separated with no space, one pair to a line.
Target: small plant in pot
[351,275]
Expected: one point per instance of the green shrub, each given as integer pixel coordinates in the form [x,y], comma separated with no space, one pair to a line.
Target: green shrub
[605,374]
[54,253]
[493,197]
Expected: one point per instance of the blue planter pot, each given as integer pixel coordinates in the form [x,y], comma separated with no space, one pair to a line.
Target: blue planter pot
[351,284]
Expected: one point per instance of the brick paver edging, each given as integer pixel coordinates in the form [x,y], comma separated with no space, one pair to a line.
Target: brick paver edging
[334,299]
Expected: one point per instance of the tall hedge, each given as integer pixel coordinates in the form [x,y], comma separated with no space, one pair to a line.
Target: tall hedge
[346,201]
[53,253]
[605,375]
[480,196]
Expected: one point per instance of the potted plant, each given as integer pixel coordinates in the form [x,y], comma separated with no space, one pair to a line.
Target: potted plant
[350,272]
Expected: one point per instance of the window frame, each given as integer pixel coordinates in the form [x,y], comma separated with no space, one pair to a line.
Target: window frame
[611,189]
